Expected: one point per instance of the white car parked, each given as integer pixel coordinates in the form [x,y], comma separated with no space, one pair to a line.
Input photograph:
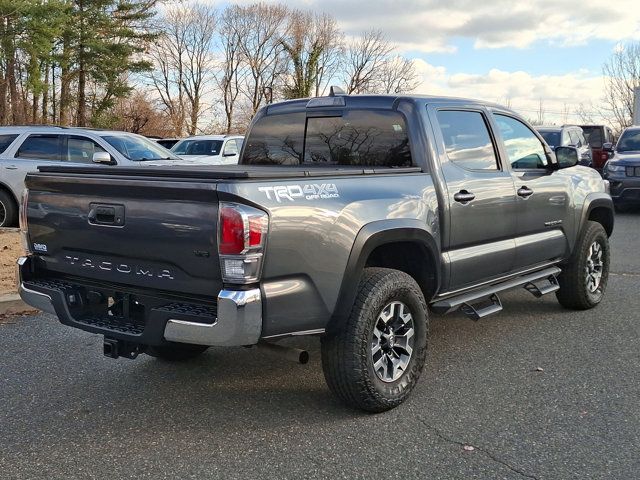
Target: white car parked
[24,149]
[210,149]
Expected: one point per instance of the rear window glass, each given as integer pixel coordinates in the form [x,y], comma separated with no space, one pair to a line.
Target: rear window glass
[40,147]
[552,138]
[5,141]
[357,138]
[198,147]
[593,136]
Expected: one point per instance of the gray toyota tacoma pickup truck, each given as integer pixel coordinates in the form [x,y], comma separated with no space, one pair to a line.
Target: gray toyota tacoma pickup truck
[349,217]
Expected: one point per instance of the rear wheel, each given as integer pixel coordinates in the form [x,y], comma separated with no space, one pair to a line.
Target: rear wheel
[375,358]
[8,210]
[584,278]
[177,352]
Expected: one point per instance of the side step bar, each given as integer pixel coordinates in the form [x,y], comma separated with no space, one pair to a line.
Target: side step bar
[485,301]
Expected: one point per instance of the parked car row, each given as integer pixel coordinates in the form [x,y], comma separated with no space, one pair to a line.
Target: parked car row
[587,139]
[619,163]
[24,148]
[568,136]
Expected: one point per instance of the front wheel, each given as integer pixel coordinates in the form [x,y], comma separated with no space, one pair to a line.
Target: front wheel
[584,278]
[374,359]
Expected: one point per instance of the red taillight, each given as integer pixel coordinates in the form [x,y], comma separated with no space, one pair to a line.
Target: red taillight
[256,227]
[241,242]
[231,231]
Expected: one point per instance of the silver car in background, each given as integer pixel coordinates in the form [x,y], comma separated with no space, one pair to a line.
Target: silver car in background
[210,149]
[23,149]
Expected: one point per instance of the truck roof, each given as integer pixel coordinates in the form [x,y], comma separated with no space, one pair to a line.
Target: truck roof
[374,101]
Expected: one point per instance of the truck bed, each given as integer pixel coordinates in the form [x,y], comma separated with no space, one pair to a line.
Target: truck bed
[216,172]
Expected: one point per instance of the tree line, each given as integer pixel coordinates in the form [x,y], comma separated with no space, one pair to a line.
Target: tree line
[178,68]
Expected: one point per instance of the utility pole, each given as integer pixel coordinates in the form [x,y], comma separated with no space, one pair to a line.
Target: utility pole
[636,106]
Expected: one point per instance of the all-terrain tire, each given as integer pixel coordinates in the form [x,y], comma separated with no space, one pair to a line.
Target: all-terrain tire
[574,290]
[8,210]
[347,355]
[177,352]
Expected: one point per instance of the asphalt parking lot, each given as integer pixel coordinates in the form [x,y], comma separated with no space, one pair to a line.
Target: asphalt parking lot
[537,391]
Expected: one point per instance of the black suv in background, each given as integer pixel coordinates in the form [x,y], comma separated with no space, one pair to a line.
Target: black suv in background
[568,136]
[623,170]
[597,136]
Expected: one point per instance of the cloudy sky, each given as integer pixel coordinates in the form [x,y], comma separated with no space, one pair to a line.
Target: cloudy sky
[501,50]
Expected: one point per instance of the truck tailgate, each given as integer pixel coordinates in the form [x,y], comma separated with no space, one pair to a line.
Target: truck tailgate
[150,232]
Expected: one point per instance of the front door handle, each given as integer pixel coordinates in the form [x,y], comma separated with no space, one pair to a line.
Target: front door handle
[525,192]
[463,196]
[11,167]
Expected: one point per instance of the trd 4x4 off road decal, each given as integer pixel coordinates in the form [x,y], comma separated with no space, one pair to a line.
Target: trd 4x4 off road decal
[309,191]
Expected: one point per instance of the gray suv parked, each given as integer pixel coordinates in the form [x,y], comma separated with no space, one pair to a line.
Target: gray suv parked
[568,136]
[23,149]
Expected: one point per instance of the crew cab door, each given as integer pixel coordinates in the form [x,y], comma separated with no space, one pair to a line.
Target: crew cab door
[480,196]
[543,195]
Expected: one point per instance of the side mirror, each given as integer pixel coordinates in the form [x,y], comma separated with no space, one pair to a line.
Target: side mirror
[567,157]
[103,157]
[607,147]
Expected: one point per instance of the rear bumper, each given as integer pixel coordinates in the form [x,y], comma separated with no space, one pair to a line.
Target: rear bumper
[235,320]
[239,322]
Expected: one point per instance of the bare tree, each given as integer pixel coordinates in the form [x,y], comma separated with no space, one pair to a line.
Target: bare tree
[365,56]
[200,35]
[183,64]
[397,75]
[261,26]
[586,114]
[540,113]
[307,41]
[231,74]
[167,77]
[622,76]
[137,114]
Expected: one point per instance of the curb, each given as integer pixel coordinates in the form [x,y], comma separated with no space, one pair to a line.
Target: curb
[12,304]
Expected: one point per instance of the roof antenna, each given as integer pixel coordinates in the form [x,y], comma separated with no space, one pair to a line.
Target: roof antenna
[333,91]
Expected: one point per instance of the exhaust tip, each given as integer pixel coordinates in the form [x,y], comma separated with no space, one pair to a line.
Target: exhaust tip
[290,353]
[303,358]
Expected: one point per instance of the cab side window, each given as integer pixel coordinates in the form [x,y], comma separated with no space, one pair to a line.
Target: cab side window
[524,149]
[230,148]
[467,140]
[81,150]
[40,147]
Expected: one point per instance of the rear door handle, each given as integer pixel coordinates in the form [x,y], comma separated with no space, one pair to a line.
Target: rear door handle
[11,167]
[524,192]
[463,196]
